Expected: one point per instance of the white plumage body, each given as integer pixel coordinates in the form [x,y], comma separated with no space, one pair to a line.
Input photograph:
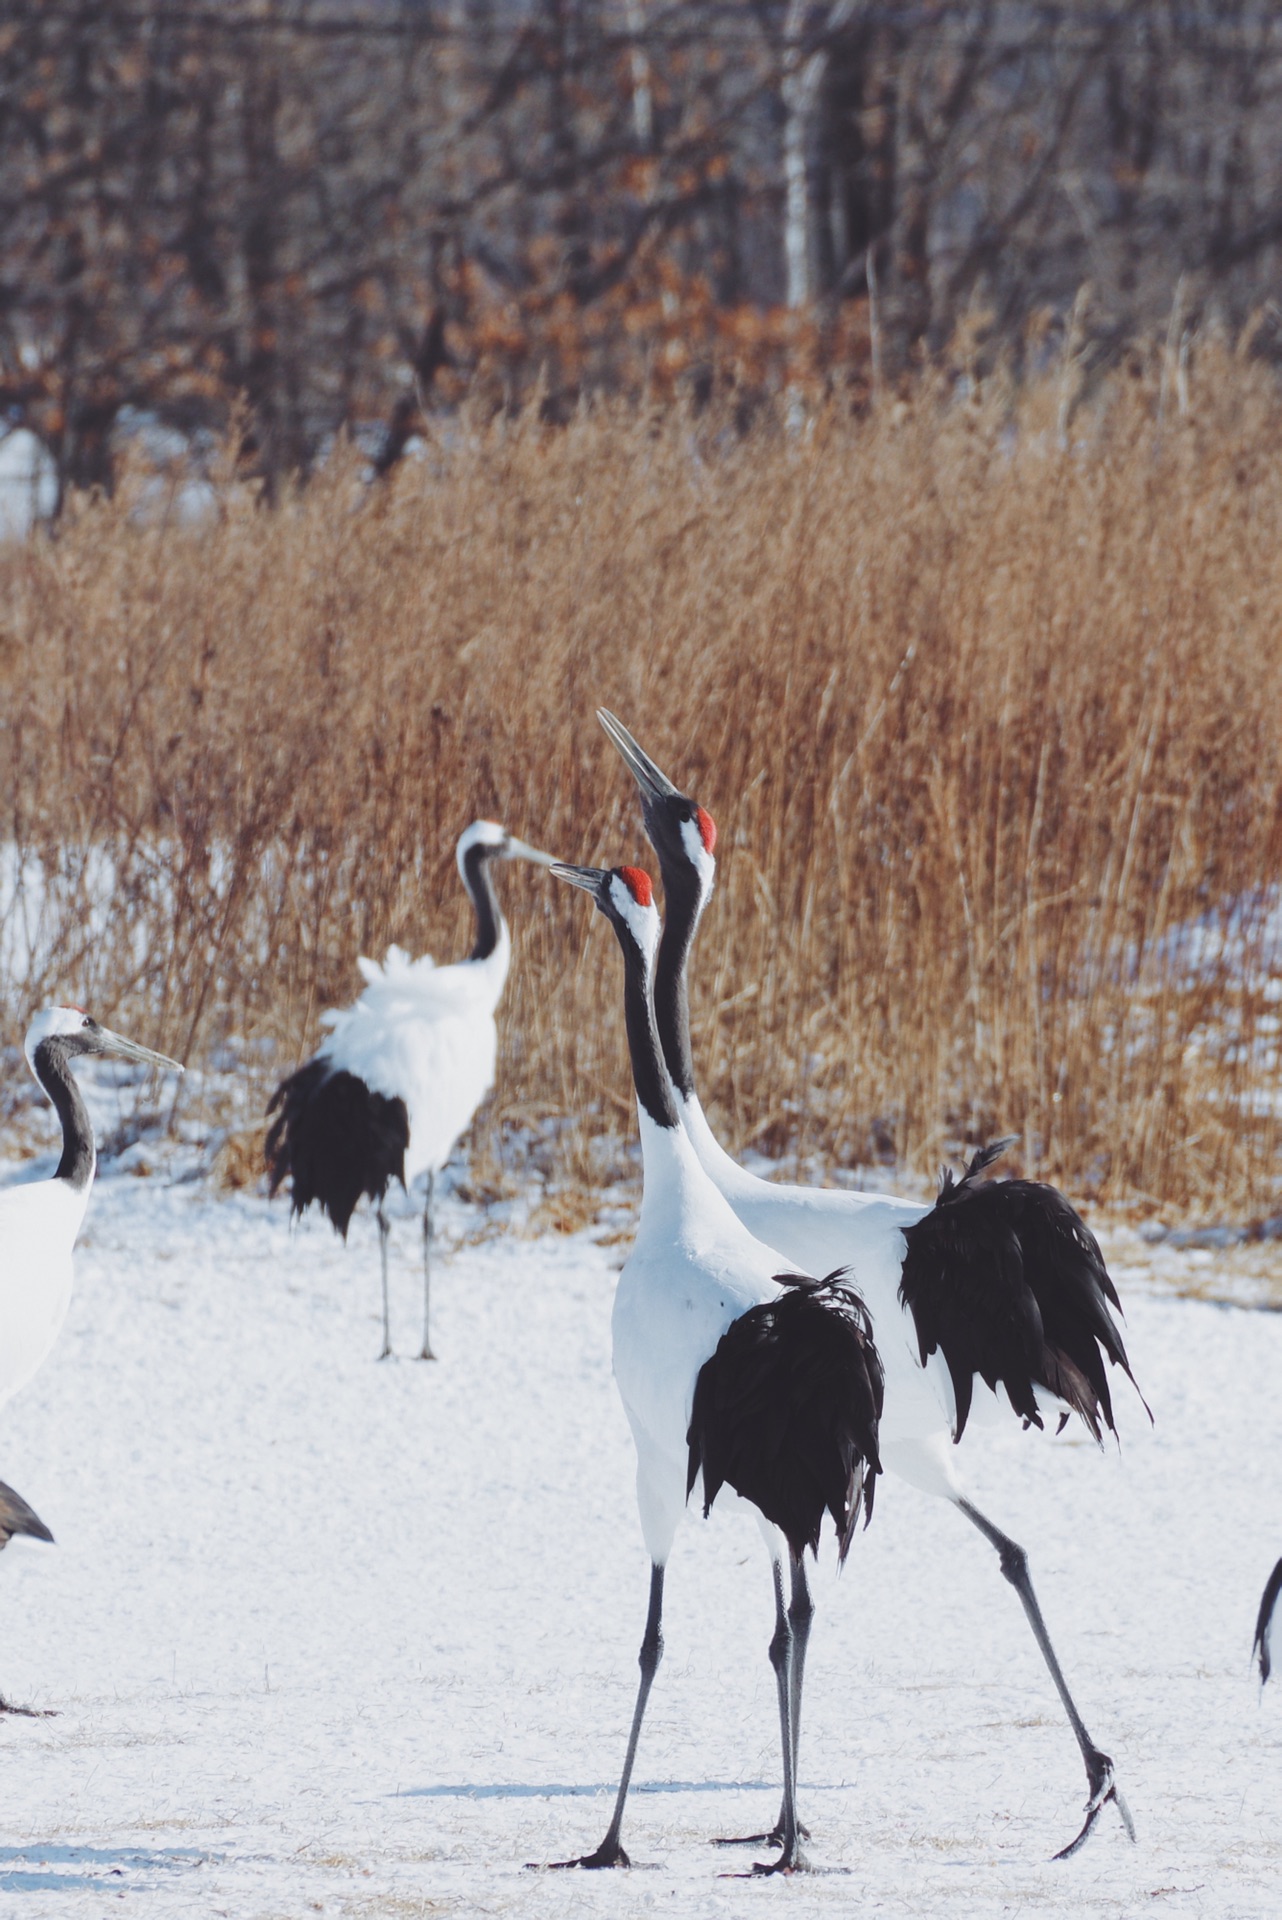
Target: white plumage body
[818,1229]
[821,1229]
[426,1035]
[692,1271]
[38,1228]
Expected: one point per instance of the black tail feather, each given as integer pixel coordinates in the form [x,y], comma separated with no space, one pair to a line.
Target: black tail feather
[17,1517]
[1008,1281]
[786,1412]
[334,1140]
[1261,1647]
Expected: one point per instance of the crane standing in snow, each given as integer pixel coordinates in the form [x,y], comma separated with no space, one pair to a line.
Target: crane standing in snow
[39,1220]
[728,1371]
[402,1072]
[996,1285]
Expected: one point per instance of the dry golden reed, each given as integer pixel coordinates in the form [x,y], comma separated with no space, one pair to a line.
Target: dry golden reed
[984,696]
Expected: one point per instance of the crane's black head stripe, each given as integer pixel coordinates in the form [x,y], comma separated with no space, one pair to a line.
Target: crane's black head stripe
[478,878]
[51,1061]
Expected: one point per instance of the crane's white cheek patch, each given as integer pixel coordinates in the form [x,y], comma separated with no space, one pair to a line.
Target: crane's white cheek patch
[699,857]
[642,922]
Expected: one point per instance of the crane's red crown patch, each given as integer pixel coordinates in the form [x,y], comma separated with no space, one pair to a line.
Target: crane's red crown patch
[707,830]
[637,882]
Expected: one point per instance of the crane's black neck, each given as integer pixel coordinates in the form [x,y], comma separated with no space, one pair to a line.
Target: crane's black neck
[53,1071]
[649,1075]
[479,881]
[682,905]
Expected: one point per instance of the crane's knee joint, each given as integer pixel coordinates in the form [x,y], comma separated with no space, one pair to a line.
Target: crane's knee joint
[1014,1564]
[801,1612]
[650,1655]
[780,1646]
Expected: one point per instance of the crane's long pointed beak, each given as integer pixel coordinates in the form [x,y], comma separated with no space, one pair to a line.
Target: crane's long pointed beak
[589,878]
[518,850]
[116,1047]
[652,783]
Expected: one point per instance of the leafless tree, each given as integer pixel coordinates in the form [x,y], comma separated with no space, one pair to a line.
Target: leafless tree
[334,214]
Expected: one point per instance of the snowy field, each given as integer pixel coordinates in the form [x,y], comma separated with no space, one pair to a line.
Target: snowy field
[329,1636]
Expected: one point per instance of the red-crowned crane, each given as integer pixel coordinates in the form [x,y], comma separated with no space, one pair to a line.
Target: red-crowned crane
[39,1220]
[997,1285]
[729,1372]
[402,1072]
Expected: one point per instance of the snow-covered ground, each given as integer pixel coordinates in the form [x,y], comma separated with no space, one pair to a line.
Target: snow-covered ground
[325,1635]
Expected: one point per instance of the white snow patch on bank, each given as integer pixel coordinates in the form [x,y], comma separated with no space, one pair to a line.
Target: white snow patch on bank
[330,1636]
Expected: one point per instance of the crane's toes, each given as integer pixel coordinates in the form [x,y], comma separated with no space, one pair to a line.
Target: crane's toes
[1125,1812]
[28,1713]
[772,1839]
[1103,1786]
[791,1860]
[608,1854]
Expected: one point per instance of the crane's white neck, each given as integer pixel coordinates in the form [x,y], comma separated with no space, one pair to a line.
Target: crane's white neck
[726,1174]
[675,1182]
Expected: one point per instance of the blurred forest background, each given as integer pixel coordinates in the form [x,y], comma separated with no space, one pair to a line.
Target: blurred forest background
[332,214]
[878,406]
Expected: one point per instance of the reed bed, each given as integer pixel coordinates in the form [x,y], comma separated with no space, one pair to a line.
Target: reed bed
[984,694]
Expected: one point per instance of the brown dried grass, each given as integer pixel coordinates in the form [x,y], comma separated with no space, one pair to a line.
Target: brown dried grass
[983,708]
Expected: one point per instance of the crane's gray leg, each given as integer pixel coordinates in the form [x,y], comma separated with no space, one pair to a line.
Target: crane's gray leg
[1099,1768]
[801,1611]
[428,1224]
[782,1659]
[610,1853]
[383,1231]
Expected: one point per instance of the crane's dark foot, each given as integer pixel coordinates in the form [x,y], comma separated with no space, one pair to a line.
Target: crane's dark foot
[427,1354]
[608,1854]
[387,1354]
[772,1839]
[791,1860]
[28,1713]
[1099,1777]
[788,1862]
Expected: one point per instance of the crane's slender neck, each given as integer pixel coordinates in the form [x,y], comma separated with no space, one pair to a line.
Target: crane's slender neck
[682,906]
[649,1075]
[53,1071]
[479,881]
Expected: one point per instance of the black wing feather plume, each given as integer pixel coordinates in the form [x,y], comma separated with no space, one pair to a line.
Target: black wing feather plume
[786,1411]
[334,1140]
[1008,1282]
[1264,1622]
[17,1517]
